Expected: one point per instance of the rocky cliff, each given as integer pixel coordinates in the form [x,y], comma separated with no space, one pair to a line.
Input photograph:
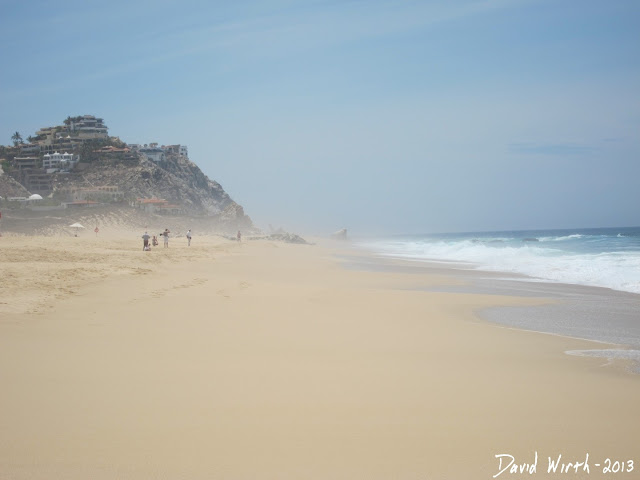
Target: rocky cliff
[176,179]
[10,188]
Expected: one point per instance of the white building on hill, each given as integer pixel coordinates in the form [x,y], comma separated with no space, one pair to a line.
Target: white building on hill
[153,152]
[58,161]
[177,149]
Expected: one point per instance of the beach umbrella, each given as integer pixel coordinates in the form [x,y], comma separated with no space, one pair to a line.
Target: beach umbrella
[76,226]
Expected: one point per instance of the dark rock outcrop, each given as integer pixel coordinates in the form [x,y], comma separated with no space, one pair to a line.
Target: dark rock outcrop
[287,238]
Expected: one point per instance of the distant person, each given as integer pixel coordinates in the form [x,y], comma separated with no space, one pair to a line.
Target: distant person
[165,235]
[154,241]
[145,241]
[239,236]
[189,238]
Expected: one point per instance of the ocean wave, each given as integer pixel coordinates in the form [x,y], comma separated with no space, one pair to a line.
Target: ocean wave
[492,239]
[618,270]
[561,239]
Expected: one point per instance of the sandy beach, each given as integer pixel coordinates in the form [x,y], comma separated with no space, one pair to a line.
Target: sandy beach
[265,360]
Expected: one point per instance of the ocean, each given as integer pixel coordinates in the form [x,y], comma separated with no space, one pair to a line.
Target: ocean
[561,265]
[598,257]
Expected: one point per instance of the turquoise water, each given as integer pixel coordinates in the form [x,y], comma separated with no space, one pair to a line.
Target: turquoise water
[602,257]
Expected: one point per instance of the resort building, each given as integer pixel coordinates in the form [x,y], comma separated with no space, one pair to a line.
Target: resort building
[47,135]
[106,193]
[170,209]
[177,149]
[158,205]
[37,180]
[157,154]
[52,162]
[88,127]
[152,152]
[30,149]
[66,142]
[112,149]
[75,131]
[22,163]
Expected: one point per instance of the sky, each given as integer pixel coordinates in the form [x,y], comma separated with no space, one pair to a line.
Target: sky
[378,116]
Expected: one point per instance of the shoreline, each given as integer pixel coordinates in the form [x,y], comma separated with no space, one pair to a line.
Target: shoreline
[271,360]
[597,314]
[598,257]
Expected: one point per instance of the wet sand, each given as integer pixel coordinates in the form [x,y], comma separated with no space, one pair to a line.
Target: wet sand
[591,313]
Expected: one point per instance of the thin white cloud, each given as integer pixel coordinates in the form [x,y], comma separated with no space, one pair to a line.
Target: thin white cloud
[332,24]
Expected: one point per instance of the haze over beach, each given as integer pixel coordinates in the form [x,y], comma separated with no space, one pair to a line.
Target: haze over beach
[507,347]
[383,117]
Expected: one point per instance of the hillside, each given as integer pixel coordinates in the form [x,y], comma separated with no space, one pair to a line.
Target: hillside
[10,188]
[198,200]
[207,207]
[76,167]
[176,179]
[116,220]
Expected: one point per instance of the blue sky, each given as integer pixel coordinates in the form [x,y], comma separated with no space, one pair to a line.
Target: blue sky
[378,116]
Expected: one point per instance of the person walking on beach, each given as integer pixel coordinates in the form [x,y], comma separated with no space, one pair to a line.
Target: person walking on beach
[165,234]
[145,241]
[239,236]
[189,238]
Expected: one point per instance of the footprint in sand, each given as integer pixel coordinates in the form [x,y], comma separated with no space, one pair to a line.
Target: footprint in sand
[164,291]
[242,285]
[193,283]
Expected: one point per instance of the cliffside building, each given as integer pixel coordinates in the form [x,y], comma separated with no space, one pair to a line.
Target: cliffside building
[177,149]
[37,180]
[105,193]
[30,149]
[75,131]
[52,162]
[157,154]
[88,127]
[22,163]
[47,135]
[152,152]
[158,205]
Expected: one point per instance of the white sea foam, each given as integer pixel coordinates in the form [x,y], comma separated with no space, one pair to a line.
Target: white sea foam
[618,270]
[561,239]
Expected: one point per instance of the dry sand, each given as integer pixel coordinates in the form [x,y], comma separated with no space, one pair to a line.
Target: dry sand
[265,360]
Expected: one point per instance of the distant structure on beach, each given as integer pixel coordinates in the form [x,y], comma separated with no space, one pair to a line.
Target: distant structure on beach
[340,234]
